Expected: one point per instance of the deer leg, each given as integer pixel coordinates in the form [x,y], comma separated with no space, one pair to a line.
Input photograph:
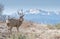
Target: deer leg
[10,32]
[10,29]
[18,29]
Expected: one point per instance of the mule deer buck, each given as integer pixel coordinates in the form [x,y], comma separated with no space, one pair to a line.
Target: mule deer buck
[15,22]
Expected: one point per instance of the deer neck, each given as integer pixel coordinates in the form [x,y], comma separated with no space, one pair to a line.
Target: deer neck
[20,19]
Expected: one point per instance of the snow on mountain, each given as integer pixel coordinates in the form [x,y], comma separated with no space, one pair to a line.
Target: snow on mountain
[40,16]
[42,12]
[33,11]
[48,17]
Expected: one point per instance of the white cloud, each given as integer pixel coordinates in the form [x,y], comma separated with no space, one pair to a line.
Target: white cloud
[34,11]
[57,13]
[48,13]
[37,11]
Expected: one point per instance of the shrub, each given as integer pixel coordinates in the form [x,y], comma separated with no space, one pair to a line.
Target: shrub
[57,26]
[17,36]
[50,26]
[22,36]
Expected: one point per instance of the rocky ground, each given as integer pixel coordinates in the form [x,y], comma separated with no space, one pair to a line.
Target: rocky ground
[38,31]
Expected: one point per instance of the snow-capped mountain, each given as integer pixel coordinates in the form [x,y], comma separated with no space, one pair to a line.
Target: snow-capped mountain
[41,16]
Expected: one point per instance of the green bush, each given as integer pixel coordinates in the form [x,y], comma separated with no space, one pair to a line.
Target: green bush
[22,36]
[17,36]
[50,26]
[57,26]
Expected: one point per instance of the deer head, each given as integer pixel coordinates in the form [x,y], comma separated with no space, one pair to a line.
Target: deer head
[21,15]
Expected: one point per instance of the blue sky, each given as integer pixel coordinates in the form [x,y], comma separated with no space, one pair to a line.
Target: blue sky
[12,5]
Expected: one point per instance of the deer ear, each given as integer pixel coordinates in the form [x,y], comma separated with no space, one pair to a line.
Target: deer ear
[20,12]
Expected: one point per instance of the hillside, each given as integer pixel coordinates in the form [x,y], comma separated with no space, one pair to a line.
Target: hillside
[30,29]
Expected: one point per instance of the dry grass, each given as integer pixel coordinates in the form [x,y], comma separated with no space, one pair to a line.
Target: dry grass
[34,31]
